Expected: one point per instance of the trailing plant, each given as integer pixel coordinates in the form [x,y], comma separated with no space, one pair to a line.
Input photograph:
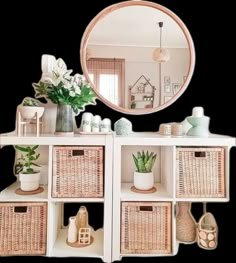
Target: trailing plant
[144,161]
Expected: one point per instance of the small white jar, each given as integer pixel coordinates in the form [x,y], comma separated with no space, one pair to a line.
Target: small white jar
[105,125]
[96,121]
[86,122]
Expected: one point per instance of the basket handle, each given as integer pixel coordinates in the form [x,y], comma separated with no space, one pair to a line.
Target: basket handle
[145,208]
[77,152]
[20,209]
[199,154]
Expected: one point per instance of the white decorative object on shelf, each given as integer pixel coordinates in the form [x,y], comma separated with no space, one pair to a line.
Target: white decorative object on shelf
[199,122]
[86,121]
[123,127]
[96,122]
[72,230]
[105,125]
[29,113]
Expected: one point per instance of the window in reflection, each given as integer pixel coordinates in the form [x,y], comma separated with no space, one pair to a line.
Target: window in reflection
[108,77]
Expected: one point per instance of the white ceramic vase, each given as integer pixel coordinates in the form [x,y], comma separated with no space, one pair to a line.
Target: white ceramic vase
[29,182]
[143,181]
[72,230]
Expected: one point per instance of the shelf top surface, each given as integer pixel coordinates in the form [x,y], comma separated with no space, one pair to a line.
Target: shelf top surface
[100,139]
[155,138]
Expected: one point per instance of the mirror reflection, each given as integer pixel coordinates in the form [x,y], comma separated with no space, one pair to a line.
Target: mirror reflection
[137,57]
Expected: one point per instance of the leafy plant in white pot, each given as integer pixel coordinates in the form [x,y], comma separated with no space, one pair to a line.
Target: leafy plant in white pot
[29,178]
[143,177]
[30,107]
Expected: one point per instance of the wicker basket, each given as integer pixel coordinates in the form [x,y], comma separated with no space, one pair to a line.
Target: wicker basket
[77,171]
[207,232]
[23,228]
[146,228]
[200,172]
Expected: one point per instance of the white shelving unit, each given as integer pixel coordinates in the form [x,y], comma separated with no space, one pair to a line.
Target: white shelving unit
[165,178]
[118,179]
[56,231]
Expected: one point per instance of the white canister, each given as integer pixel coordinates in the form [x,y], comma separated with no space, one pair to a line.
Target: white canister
[96,120]
[105,125]
[86,122]
[72,230]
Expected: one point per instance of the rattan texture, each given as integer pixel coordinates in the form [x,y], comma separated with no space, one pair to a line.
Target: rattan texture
[23,228]
[200,172]
[77,171]
[146,228]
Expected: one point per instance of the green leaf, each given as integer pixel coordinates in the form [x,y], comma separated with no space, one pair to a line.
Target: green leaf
[20,148]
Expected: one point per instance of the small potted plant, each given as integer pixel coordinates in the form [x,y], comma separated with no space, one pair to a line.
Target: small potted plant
[30,107]
[29,178]
[143,176]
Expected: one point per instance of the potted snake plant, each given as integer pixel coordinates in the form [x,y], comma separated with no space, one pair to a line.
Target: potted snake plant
[143,176]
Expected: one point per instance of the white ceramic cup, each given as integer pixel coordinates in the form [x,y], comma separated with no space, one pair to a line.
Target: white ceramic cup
[86,122]
[105,125]
[96,120]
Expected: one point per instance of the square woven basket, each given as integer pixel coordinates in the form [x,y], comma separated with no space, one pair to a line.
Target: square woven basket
[23,228]
[146,228]
[77,171]
[200,172]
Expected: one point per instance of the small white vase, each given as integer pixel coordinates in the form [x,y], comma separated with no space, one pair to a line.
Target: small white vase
[72,230]
[29,182]
[143,181]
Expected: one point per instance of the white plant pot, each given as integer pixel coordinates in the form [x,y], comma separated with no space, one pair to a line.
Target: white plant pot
[29,182]
[143,181]
[29,112]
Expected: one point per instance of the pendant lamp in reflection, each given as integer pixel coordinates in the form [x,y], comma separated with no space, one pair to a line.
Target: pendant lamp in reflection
[161,54]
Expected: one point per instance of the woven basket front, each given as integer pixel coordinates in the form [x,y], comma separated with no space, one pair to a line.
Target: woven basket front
[23,228]
[146,228]
[200,172]
[77,171]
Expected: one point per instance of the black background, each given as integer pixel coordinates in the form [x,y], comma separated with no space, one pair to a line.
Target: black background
[32,29]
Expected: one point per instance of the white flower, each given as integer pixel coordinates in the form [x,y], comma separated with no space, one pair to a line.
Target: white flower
[67,85]
[72,93]
[77,90]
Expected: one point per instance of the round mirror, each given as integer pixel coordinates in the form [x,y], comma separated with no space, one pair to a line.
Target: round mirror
[138,55]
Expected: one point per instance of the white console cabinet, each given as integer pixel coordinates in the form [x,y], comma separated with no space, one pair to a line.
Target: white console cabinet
[118,198]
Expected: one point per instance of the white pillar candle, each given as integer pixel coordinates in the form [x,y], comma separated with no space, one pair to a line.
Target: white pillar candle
[96,123]
[198,112]
[105,125]
[86,121]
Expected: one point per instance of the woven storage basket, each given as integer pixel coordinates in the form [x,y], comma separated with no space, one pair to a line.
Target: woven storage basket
[23,228]
[207,232]
[146,228]
[77,171]
[200,172]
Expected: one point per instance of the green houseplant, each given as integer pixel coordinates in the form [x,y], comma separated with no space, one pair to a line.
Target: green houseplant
[30,108]
[29,178]
[71,93]
[143,176]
